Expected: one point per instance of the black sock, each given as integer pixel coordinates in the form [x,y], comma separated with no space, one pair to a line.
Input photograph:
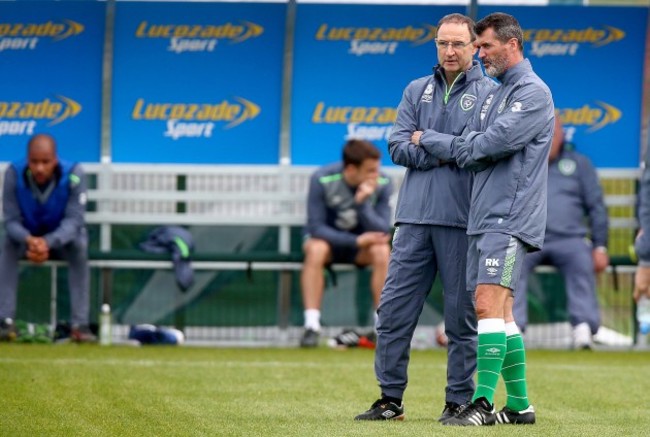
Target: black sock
[396,401]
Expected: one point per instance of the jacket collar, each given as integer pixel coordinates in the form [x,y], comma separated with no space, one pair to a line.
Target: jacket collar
[474,73]
[513,74]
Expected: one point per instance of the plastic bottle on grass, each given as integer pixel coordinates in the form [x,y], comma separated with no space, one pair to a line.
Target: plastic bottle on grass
[105,333]
[643,318]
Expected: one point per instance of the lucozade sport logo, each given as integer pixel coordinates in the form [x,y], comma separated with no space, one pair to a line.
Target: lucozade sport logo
[198,37]
[376,40]
[566,42]
[26,36]
[22,117]
[195,120]
[592,117]
[372,123]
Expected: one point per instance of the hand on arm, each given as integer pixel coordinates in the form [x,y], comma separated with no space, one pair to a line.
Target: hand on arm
[520,122]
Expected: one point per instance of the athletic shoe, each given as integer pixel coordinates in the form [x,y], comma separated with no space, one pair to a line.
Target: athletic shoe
[451,409]
[582,337]
[383,410]
[347,338]
[351,338]
[478,413]
[7,330]
[309,338]
[523,417]
[82,334]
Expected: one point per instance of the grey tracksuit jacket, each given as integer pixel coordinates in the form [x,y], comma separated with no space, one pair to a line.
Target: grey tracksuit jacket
[334,216]
[508,151]
[573,191]
[439,197]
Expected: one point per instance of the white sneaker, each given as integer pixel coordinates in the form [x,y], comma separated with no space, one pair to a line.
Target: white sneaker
[582,336]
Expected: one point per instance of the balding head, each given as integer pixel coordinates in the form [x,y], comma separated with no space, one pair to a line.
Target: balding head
[41,157]
[42,141]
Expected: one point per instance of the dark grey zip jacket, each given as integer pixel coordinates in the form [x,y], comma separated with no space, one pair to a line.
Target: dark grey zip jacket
[574,192]
[433,193]
[508,151]
[334,216]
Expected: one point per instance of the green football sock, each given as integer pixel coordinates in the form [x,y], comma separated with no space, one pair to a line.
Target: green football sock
[489,359]
[514,373]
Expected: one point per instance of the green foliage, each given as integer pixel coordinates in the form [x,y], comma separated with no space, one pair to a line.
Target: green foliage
[89,390]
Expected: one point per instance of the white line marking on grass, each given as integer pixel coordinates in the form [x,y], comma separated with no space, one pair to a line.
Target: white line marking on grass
[192,363]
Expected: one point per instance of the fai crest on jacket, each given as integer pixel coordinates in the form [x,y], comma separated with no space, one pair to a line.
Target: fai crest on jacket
[467,101]
[567,166]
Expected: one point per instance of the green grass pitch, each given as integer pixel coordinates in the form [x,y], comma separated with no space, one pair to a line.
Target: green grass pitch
[83,390]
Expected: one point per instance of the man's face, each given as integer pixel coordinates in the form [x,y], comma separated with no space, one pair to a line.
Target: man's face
[492,53]
[42,160]
[367,171]
[455,48]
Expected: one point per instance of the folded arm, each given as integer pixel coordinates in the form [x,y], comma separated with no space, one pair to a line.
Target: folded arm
[402,151]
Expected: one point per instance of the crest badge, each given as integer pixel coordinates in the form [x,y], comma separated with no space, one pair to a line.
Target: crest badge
[467,102]
[567,166]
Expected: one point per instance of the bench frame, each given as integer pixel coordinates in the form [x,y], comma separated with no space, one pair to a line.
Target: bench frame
[173,189]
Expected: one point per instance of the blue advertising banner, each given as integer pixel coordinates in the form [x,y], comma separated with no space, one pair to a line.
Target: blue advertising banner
[592,59]
[351,65]
[51,57]
[197,82]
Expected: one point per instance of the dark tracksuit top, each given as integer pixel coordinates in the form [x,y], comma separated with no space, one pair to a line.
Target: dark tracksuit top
[434,193]
[55,213]
[576,210]
[574,192]
[334,216]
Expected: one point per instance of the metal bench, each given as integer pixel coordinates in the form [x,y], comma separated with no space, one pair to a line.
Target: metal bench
[196,195]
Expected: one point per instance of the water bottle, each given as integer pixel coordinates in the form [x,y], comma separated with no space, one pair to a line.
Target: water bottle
[643,318]
[105,325]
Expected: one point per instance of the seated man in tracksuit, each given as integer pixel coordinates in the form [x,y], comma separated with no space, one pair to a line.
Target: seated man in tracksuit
[348,221]
[575,248]
[44,201]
